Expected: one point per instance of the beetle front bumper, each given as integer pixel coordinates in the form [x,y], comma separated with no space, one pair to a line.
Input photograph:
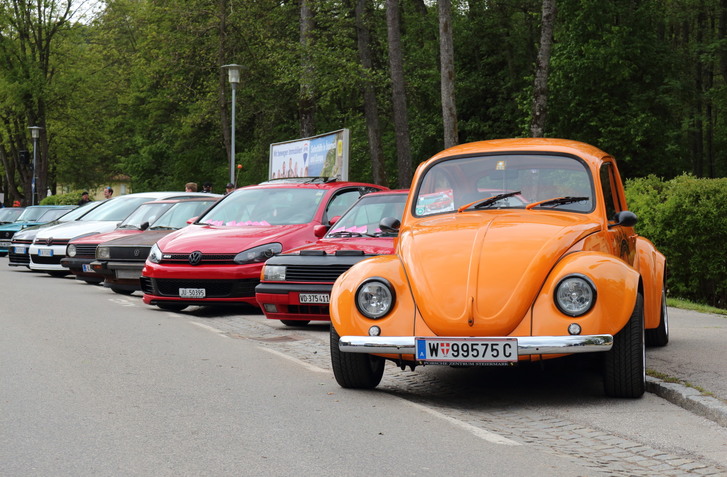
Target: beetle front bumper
[526,345]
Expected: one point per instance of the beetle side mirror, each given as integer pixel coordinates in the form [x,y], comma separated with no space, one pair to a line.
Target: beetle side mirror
[625,218]
[390,225]
[320,230]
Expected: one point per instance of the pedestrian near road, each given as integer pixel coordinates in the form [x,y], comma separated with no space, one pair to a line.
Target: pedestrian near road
[108,192]
[190,187]
[84,198]
[229,188]
[207,187]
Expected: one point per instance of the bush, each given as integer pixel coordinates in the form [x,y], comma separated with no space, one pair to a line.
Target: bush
[686,218]
[71,198]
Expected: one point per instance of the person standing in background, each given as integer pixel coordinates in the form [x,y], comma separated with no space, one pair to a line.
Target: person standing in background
[190,187]
[108,192]
[229,188]
[84,199]
[207,187]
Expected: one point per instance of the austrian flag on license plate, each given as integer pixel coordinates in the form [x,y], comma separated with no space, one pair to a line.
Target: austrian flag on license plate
[467,350]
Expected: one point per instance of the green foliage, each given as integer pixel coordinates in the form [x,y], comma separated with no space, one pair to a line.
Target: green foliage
[686,218]
[70,198]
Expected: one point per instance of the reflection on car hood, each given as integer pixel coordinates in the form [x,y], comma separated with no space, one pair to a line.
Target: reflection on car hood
[103,237]
[213,239]
[489,268]
[369,245]
[69,230]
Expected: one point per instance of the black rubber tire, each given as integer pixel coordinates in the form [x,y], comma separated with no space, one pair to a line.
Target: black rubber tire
[355,370]
[122,291]
[624,373]
[295,322]
[659,336]
[171,306]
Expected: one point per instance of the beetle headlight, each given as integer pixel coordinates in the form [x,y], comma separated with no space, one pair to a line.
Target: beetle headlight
[258,254]
[375,298]
[274,273]
[103,253]
[575,295]
[155,254]
[71,250]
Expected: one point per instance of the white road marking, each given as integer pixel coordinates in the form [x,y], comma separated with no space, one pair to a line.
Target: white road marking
[209,328]
[308,366]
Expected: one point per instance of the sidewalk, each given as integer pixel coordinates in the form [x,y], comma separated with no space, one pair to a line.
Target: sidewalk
[695,359]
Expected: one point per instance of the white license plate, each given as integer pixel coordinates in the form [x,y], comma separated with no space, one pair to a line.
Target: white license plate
[21,250]
[314,298]
[5,244]
[45,252]
[86,267]
[127,274]
[466,350]
[192,293]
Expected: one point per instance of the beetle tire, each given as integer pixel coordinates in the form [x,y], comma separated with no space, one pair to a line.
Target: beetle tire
[625,368]
[354,370]
[659,336]
[295,322]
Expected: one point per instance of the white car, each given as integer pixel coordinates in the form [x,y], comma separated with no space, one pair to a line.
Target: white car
[49,245]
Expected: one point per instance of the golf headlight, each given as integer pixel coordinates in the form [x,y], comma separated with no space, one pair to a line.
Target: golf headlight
[575,295]
[103,253]
[71,250]
[155,254]
[375,298]
[258,254]
[274,273]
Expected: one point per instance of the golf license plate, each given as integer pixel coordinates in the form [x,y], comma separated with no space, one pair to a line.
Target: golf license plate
[45,252]
[127,274]
[5,244]
[192,293]
[21,250]
[86,267]
[489,351]
[314,298]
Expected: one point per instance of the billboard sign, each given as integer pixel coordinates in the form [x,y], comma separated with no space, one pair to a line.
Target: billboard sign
[325,155]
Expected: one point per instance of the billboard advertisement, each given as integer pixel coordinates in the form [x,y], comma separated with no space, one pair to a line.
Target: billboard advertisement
[325,155]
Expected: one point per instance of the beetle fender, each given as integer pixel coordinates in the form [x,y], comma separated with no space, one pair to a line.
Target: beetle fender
[616,285]
[346,318]
[651,264]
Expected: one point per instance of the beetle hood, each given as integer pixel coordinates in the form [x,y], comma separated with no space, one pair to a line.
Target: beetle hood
[490,266]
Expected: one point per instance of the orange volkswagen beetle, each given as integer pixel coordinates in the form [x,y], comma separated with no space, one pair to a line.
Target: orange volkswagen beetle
[509,250]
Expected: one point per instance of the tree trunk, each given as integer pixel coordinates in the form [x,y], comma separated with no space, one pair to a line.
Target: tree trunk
[542,67]
[306,102]
[396,64]
[446,53]
[371,105]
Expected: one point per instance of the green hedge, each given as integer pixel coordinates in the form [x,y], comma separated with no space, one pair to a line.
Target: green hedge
[70,198]
[686,218]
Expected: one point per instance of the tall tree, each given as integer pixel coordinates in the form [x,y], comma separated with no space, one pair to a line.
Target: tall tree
[307,92]
[542,68]
[446,55]
[396,65]
[371,104]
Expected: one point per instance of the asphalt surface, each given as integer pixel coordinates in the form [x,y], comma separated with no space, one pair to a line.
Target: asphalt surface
[690,371]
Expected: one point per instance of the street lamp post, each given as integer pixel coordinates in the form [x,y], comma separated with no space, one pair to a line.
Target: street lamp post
[35,133]
[233,76]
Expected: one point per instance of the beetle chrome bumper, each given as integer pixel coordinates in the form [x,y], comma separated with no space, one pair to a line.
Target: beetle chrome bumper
[526,345]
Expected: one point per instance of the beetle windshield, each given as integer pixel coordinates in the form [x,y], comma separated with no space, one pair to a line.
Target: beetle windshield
[265,206]
[364,216]
[466,183]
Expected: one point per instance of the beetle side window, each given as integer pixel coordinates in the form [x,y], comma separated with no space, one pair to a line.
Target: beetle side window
[609,198]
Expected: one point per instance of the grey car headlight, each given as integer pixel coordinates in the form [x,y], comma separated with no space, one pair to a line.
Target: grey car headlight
[103,253]
[71,250]
[375,298]
[274,273]
[258,254]
[155,254]
[575,295]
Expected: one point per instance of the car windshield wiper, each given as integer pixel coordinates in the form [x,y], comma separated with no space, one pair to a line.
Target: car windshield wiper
[555,202]
[163,227]
[481,204]
[348,233]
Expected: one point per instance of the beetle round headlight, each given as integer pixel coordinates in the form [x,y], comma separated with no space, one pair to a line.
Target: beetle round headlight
[375,298]
[71,251]
[575,295]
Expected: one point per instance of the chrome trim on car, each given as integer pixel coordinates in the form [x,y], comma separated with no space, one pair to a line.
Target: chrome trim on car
[526,345]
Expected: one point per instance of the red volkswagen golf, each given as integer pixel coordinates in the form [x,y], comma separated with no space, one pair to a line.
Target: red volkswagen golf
[217,260]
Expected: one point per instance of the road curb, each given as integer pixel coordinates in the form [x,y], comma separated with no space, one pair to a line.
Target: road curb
[689,399]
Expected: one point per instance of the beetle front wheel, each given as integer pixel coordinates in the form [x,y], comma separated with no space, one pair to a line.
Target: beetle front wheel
[354,370]
[625,364]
